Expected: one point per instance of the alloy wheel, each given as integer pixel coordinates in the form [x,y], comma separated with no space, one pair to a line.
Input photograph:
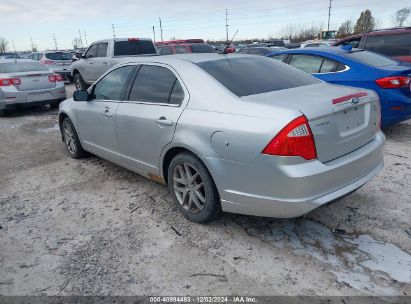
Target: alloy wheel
[69,137]
[189,187]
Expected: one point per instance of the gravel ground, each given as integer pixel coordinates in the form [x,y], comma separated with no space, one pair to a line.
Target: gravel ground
[88,227]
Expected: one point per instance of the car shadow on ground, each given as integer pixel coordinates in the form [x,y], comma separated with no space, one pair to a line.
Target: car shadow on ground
[33,111]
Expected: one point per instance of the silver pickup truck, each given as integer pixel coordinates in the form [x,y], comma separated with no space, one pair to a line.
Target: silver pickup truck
[103,54]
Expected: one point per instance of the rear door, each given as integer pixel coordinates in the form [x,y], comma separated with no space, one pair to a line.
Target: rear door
[96,117]
[147,118]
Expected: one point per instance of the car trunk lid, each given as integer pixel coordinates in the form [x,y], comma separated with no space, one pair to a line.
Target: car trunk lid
[35,80]
[342,119]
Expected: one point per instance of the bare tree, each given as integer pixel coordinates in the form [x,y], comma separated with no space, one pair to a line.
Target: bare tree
[401,16]
[76,43]
[300,32]
[3,45]
[365,22]
[345,29]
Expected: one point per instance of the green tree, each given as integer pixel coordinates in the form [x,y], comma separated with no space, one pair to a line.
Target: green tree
[365,23]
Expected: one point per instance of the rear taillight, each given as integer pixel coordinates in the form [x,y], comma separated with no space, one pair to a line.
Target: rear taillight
[394,82]
[5,82]
[46,61]
[133,39]
[55,78]
[295,139]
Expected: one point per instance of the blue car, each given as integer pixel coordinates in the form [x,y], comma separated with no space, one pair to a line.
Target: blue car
[358,68]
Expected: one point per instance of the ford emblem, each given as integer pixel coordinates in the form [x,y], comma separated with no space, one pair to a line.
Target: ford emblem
[355,100]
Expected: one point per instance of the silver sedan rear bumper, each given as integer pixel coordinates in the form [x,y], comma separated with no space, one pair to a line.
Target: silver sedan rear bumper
[12,99]
[286,187]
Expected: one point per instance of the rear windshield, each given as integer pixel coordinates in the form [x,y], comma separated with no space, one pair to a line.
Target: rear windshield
[138,47]
[390,45]
[370,58]
[15,67]
[202,48]
[248,76]
[59,56]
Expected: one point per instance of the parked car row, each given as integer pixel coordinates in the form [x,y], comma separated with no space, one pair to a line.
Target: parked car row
[207,124]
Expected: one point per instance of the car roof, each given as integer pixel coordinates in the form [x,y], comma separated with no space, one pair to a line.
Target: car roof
[394,30]
[335,50]
[189,57]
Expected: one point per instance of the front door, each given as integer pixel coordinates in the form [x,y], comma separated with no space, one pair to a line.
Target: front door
[147,118]
[96,118]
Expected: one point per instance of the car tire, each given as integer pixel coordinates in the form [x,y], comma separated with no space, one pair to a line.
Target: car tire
[193,189]
[79,82]
[71,139]
[2,113]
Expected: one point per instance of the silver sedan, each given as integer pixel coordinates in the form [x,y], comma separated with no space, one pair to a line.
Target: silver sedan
[234,133]
[27,83]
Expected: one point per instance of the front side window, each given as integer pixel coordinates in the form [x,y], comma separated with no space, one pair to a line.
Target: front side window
[92,51]
[157,85]
[307,63]
[102,50]
[111,86]
[248,76]
[390,45]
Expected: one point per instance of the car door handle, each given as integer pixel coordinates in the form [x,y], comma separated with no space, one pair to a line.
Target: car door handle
[91,62]
[163,122]
[105,62]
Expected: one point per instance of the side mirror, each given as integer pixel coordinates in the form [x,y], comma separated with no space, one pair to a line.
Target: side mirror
[79,55]
[80,96]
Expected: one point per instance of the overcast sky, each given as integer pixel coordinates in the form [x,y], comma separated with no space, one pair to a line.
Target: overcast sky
[40,19]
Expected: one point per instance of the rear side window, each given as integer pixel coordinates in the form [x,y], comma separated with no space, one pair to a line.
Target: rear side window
[202,48]
[329,66]
[249,76]
[102,50]
[307,63]
[390,45]
[21,67]
[111,86]
[157,85]
[370,58]
[137,47]
[59,56]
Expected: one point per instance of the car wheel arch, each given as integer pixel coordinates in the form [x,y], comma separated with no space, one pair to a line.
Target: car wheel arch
[171,153]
